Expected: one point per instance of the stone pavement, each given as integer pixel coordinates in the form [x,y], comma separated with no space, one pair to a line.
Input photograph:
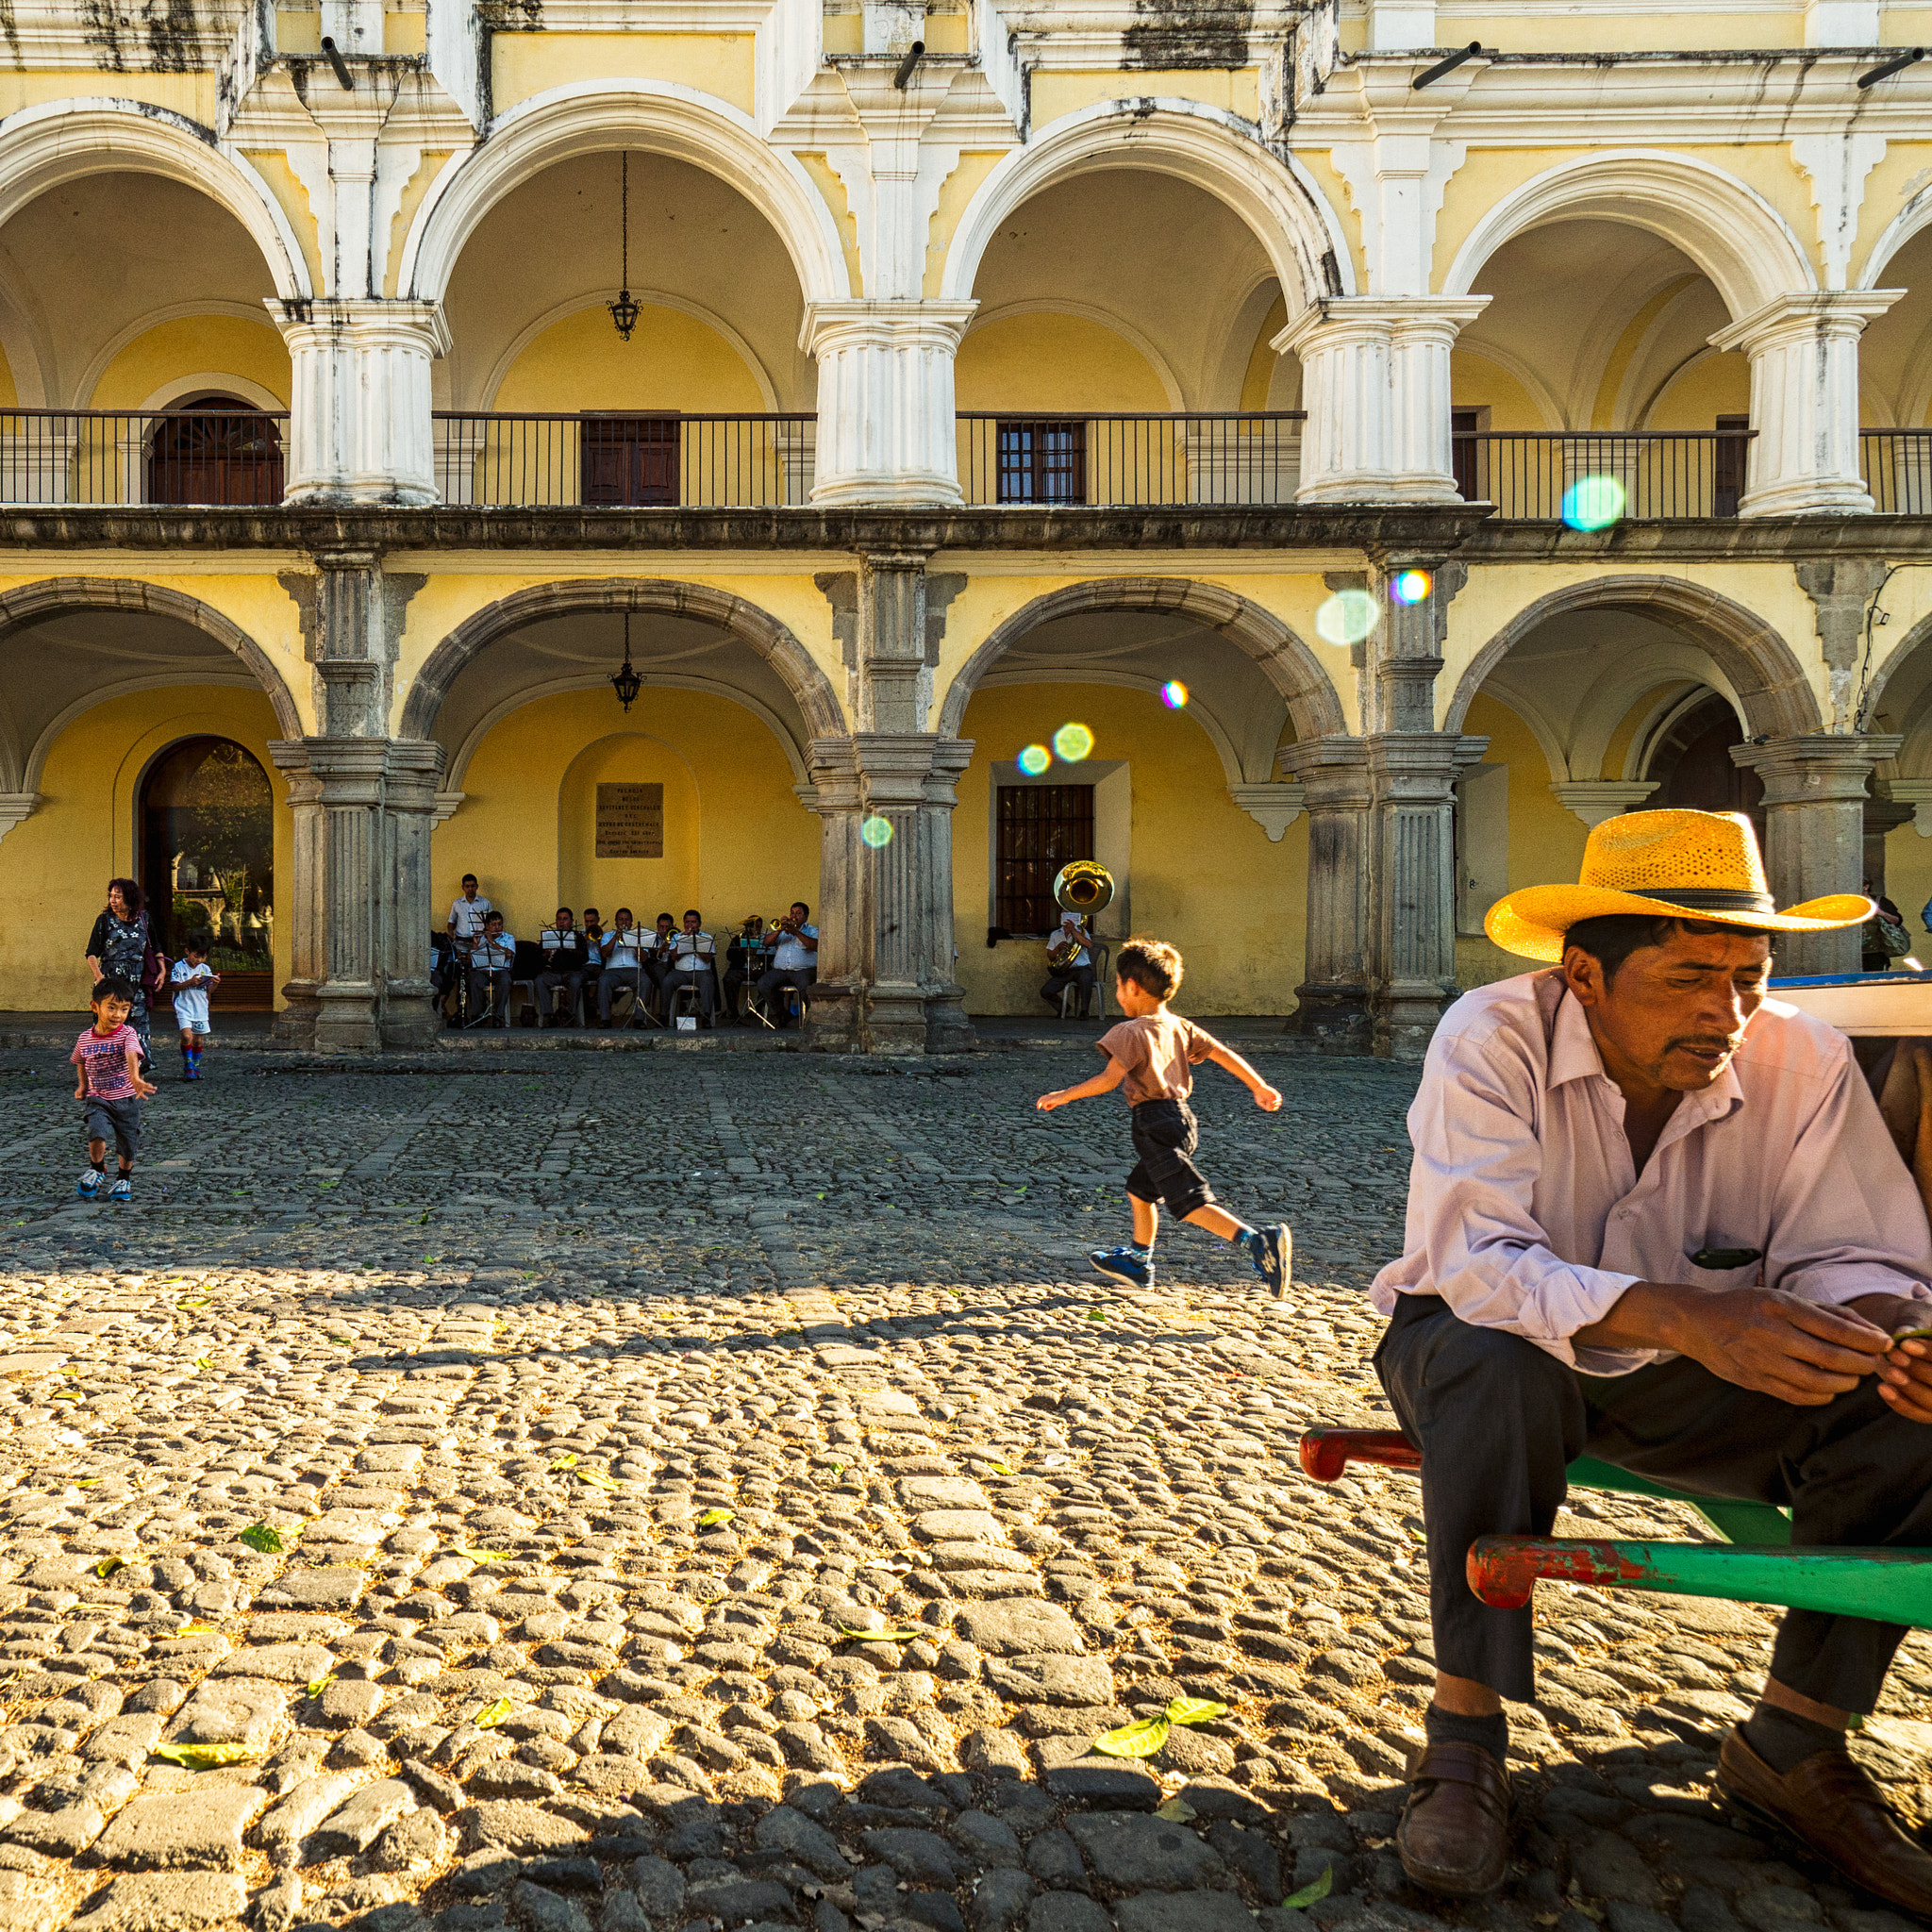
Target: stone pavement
[712,1491]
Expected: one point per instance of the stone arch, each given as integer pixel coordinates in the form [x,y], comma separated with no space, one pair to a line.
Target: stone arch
[1207,146]
[44,146]
[1762,669]
[1285,660]
[771,640]
[1913,216]
[54,596]
[1729,230]
[1888,668]
[656,117]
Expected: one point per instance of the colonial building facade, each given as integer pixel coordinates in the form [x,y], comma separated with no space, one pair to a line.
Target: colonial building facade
[1317,459]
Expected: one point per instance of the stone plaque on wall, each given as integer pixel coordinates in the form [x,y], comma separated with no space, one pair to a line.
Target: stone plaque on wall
[630,821]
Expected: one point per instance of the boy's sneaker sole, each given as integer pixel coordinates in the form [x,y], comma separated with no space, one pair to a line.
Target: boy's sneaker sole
[1278,1258]
[1131,1274]
[88,1189]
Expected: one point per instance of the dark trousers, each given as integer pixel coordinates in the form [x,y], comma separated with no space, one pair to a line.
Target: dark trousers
[1498,1421]
[769,983]
[481,981]
[1057,983]
[547,984]
[702,980]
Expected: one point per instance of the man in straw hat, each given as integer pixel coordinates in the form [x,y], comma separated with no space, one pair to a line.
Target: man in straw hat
[1655,1217]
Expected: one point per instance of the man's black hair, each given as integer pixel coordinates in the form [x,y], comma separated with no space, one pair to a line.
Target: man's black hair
[1610,940]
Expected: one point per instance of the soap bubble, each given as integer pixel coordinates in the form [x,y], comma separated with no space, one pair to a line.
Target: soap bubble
[1174,695]
[1035,760]
[1073,743]
[1592,503]
[1347,617]
[1411,586]
[877,831]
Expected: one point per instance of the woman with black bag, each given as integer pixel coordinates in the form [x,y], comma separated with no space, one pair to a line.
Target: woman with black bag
[120,945]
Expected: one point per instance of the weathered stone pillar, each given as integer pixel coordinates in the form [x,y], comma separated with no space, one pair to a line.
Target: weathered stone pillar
[886,982]
[360,414]
[363,807]
[887,431]
[1804,351]
[1332,1001]
[1815,789]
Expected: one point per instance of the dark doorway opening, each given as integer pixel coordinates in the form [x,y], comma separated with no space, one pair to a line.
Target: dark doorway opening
[207,841]
[215,450]
[629,461]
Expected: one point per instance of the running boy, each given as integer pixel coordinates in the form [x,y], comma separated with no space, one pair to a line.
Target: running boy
[108,1083]
[1154,1052]
[192,979]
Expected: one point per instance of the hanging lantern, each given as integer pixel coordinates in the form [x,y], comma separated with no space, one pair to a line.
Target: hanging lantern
[623,311]
[627,683]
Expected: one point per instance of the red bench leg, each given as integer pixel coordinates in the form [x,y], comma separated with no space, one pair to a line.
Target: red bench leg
[1325,1452]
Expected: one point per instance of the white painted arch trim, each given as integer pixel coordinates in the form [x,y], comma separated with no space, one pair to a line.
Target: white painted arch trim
[103,359]
[1102,318]
[604,116]
[645,298]
[1728,230]
[1216,151]
[1913,216]
[177,388]
[42,147]
[593,680]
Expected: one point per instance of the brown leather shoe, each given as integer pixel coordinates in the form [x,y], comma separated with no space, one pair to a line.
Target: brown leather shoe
[1829,1803]
[1454,1837]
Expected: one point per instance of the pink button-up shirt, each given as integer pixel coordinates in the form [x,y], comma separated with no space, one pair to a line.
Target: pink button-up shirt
[1526,1213]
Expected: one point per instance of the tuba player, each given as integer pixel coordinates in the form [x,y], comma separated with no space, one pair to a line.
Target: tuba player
[1069,962]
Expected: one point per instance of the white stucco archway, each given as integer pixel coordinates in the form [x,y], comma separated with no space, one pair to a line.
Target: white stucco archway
[1212,149]
[1729,230]
[606,116]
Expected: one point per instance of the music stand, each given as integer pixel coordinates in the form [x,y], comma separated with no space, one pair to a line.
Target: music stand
[638,1006]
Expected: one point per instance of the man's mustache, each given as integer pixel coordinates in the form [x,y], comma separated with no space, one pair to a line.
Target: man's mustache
[1708,1042]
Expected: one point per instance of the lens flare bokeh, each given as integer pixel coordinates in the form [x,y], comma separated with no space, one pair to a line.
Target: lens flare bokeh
[1592,503]
[1410,587]
[1347,617]
[1035,760]
[1174,695]
[1073,741]
[877,831]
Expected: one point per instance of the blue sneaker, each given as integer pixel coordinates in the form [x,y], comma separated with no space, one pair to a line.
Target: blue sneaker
[89,1186]
[122,1192]
[1272,1250]
[1131,1265]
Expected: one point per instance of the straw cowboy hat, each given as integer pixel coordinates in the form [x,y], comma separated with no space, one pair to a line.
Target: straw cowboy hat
[1672,865]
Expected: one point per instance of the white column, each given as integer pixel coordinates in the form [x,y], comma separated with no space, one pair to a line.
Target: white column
[1375,385]
[886,431]
[1804,351]
[359,426]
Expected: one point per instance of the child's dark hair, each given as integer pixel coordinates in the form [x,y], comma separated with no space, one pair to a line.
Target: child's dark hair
[196,942]
[110,986]
[1152,965]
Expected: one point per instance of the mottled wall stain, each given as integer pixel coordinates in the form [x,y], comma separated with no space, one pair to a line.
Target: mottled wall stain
[1169,34]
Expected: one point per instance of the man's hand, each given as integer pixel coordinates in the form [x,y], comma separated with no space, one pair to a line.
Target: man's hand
[1268,1099]
[1777,1343]
[1047,1102]
[1905,1380]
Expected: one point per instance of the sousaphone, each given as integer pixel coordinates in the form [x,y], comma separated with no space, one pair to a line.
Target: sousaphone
[1084,886]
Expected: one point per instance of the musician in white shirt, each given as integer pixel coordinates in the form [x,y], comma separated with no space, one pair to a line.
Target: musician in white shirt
[693,962]
[563,966]
[467,913]
[794,963]
[491,961]
[623,965]
[1073,968]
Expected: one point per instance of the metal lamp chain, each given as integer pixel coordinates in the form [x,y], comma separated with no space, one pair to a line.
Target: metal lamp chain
[623,311]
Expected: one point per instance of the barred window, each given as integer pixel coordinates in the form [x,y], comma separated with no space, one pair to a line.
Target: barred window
[1042,461]
[1042,827]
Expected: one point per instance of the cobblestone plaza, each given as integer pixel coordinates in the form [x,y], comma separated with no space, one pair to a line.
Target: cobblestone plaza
[595,1400]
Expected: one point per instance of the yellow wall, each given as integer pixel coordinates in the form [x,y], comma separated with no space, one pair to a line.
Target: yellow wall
[55,865]
[195,345]
[1203,874]
[1477,383]
[1908,882]
[1711,387]
[736,839]
[526,64]
[671,362]
[1047,361]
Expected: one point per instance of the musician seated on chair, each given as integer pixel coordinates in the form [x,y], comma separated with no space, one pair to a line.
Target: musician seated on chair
[1070,963]
[693,963]
[1655,1218]
[563,967]
[742,952]
[490,960]
[794,961]
[658,955]
[623,964]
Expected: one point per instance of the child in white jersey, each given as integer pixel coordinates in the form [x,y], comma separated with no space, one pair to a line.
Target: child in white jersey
[192,980]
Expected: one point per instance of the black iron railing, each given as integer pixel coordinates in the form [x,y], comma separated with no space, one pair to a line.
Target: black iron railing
[1896,465]
[1592,479]
[200,456]
[1042,458]
[615,459]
